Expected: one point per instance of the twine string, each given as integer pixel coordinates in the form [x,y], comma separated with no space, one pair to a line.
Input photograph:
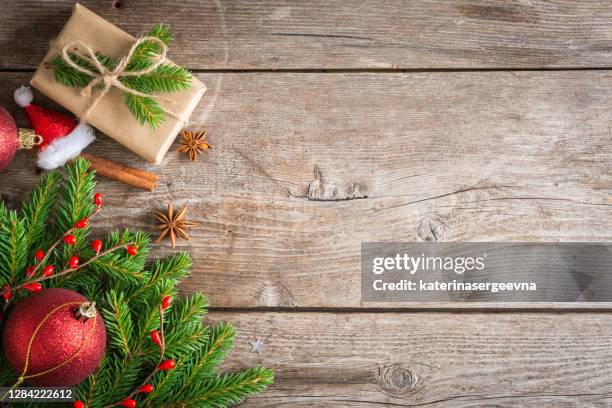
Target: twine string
[110,78]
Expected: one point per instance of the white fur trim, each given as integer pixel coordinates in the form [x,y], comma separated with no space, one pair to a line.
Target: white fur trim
[23,96]
[63,149]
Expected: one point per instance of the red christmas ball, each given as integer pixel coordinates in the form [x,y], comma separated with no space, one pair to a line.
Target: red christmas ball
[9,139]
[62,347]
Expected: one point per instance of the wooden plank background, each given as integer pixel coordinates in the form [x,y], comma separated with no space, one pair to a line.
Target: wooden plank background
[430,359]
[340,34]
[338,122]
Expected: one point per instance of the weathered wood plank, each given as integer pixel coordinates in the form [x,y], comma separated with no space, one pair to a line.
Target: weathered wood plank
[306,167]
[339,34]
[428,359]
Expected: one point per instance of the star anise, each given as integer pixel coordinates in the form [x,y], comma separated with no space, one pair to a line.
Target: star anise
[173,224]
[193,144]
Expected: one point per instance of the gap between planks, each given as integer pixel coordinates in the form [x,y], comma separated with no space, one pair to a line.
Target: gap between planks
[361,70]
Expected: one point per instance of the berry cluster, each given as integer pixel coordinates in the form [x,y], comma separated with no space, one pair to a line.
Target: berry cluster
[157,336]
[34,280]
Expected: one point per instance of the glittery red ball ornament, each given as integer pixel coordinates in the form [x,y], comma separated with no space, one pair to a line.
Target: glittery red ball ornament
[49,331]
[9,138]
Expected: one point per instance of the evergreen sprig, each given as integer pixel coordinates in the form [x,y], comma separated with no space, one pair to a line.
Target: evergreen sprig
[127,291]
[165,78]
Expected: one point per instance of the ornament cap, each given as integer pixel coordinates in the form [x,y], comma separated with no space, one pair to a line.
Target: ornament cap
[86,311]
[28,139]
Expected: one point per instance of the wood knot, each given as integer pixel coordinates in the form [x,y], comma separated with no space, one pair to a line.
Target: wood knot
[432,229]
[322,189]
[396,380]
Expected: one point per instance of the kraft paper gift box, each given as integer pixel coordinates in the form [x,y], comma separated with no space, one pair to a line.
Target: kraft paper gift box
[111,115]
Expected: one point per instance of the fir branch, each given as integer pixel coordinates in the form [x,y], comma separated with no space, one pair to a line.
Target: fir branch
[147,50]
[122,267]
[37,210]
[119,323]
[220,343]
[122,374]
[13,254]
[165,78]
[67,75]
[173,268]
[229,389]
[62,273]
[157,367]
[145,109]
[205,362]
[112,278]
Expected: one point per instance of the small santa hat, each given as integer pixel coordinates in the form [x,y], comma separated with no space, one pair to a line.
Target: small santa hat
[62,137]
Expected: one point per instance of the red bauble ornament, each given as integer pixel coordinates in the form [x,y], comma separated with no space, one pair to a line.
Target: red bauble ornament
[78,404]
[39,255]
[63,347]
[9,138]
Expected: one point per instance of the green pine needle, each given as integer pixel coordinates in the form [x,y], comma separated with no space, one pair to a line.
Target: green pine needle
[146,110]
[119,323]
[37,210]
[165,78]
[128,294]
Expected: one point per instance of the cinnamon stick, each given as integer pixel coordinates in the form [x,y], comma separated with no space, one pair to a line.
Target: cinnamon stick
[142,179]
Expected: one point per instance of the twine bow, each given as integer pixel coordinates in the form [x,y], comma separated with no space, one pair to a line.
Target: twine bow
[111,77]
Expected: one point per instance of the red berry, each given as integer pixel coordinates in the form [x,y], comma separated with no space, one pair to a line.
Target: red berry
[156,337]
[78,404]
[166,302]
[39,255]
[96,245]
[132,250]
[82,223]
[7,293]
[169,364]
[33,287]
[70,239]
[29,271]
[128,403]
[98,199]
[147,388]
[48,271]
[74,262]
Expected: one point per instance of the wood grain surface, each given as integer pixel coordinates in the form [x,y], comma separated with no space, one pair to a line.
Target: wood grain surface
[338,122]
[306,167]
[429,359]
[340,34]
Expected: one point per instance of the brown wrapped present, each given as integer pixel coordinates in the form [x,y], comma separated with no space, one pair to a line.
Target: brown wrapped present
[110,115]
